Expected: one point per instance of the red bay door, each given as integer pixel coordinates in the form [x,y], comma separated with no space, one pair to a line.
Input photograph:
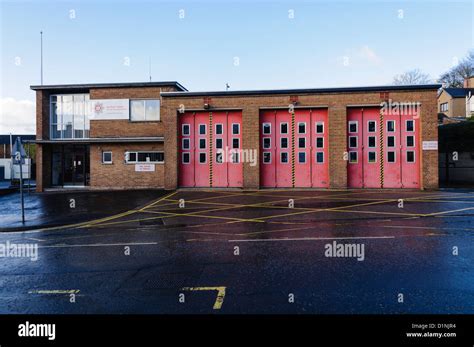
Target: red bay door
[302,150]
[319,148]
[186,150]
[410,135]
[268,177]
[236,155]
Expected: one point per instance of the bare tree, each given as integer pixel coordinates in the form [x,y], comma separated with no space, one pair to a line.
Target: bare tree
[410,77]
[454,78]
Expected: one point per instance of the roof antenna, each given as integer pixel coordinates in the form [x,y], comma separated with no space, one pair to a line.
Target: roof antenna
[227,86]
[41,54]
[149,67]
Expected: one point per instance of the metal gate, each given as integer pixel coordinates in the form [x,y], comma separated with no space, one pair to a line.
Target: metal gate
[383,149]
[210,149]
[293,147]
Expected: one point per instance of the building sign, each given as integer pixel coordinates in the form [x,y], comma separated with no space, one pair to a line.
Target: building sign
[110,109]
[144,167]
[430,145]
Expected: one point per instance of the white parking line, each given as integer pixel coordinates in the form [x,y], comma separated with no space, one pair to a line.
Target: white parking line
[313,239]
[101,245]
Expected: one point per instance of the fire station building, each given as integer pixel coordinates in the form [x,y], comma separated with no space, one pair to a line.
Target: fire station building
[159,135]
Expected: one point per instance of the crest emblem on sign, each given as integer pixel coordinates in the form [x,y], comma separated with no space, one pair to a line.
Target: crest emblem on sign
[98,107]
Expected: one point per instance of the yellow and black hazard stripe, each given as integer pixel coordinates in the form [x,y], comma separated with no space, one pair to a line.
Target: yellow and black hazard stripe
[381,127]
[293,149]
[211,158]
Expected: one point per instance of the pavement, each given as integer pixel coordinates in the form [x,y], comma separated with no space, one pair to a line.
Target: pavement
[201,251]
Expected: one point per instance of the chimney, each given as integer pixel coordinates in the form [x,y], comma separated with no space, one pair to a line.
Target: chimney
[469,82]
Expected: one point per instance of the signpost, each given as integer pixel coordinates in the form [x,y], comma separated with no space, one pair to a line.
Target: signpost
[18,158]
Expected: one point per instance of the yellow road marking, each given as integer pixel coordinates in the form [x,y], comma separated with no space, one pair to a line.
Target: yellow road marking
[220,294]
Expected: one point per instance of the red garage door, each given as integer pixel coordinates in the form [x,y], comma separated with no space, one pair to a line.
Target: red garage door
[383,150]
[209,149]
[293,148]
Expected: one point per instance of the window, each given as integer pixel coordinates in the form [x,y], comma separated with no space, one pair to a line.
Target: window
[266,142]
[144,110]
[390,126]
[444,107]
[235,128]
[267,157]
[372,141]
[144,157]
[319,128]
[283,128]
[391,157]
[410,141]
[372,126]
[185,130]
[301,142]
[390,141]
[410,125]
[202,143]
[353,125]
[319,157]
[266,128]
[352,141]
[284,157]
[202,158]
[185,158]
[301,128]
[353,157]
[219,129]
[301,157]
[185,143]
[107,157]
[410,156]
[372,158]
[320,142]
[235,143]
[202,129]
[219,157]
[284,142]
[70,116]
[235,157]
[219,144]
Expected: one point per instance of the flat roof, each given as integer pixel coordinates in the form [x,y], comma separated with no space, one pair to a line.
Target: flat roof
[109,85]
[102,140]
[306,90]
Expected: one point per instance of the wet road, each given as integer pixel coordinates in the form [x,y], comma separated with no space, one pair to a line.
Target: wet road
[249,252]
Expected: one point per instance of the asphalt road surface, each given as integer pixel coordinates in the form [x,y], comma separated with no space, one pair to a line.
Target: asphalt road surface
[253,252]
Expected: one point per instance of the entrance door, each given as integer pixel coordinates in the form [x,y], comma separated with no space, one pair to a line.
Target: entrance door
[74,166]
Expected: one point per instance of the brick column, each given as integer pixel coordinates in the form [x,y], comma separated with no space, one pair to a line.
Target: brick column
[250,141]
[337,116]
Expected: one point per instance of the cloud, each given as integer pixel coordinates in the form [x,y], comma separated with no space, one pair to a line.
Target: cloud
[17,116]
[368,54]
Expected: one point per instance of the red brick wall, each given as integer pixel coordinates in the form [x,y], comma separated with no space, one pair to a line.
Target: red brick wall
[336,103]
[120,175]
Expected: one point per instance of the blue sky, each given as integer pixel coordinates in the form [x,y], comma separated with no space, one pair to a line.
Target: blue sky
[326,44]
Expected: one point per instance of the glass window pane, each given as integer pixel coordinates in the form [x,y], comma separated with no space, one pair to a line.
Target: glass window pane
[352,141]
[319,142]
[372,157]
[235,129]
[266,142]
[372,141]
[302,142]
[266,128]
[284,142]
[371,126]
[67,116]
[202,129]
[284,157]
[410,141]
[353,157]
[391,141]
[219,129]
[301,128]
[152,110]
[283,128]
[410,157]
[410,125]
[137,110]
[319,157]
[319,128]
[235,143]
[301,157]
[219,143]
[391,126]
[185,158]
[391,157]
[267,157]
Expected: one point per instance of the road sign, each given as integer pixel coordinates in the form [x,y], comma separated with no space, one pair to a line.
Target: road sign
[18,152]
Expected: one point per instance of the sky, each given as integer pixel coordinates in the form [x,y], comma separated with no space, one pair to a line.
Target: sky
[206,44]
